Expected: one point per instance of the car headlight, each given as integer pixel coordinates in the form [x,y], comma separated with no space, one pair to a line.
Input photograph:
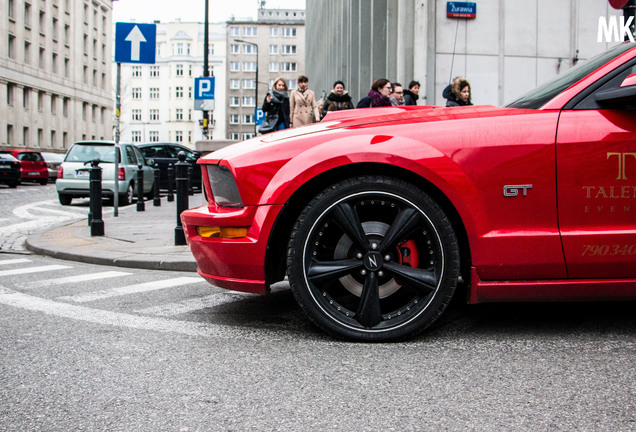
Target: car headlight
[224,187]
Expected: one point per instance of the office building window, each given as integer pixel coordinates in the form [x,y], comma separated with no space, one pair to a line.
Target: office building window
[249,49]
[248,119]
[179,70]
[136,92]
[136,115]
[289,49]
[248,101]
[274,31]
[235,101]
[154,92]
[249,84]
[178,136]
[154,115]
[178,91]
[234,119]
[234,66]
[273,67]
[235,49]
[273,49]
[153,136]
[235,84]
[179,114]
[288,67]
[136,71]
[136,136]
[235,31]
[250,31]
[289,31]
[249,66]
[154,71]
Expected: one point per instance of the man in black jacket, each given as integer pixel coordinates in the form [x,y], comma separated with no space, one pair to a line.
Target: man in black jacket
[412,94]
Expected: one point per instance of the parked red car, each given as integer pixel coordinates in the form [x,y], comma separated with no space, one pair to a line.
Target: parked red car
[32,165]
[378,215]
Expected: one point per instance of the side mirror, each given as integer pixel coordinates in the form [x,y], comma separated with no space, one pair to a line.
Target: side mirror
[622,97]
[196,155]
[150,162]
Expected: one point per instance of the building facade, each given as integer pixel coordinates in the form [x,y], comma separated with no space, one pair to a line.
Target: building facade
[507,49]
[55,72]
[260,51]
[157,100]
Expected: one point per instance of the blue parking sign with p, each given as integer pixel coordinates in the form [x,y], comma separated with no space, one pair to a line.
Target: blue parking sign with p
[259,116]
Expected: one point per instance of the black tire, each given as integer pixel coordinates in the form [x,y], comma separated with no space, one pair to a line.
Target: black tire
[44,182]
[13,184]
[126,199]
[373,259]
[65,199]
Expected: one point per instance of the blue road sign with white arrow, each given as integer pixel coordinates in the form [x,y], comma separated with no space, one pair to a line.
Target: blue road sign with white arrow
[135,43]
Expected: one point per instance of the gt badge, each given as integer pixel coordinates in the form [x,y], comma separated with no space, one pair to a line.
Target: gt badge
[513,190]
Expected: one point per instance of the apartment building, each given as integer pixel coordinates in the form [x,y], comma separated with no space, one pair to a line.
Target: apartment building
[55,72]
[157,100]
[258,52]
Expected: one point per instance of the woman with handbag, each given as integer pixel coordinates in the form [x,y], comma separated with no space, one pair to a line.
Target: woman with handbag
[276,108]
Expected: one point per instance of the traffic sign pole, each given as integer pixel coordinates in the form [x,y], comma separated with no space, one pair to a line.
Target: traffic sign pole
[117,114]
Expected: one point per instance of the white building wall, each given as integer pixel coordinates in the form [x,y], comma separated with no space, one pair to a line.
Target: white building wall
[59,54]
[190,37]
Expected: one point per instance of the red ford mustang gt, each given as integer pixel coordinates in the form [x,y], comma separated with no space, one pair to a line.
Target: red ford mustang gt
[377,215]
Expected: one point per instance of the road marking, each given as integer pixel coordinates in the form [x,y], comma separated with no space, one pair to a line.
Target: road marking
[190,305]
[15,261]
[29,270]
[78,278]
[65,310]
[131,289]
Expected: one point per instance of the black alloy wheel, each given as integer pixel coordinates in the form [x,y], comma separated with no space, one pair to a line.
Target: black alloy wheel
[373,259]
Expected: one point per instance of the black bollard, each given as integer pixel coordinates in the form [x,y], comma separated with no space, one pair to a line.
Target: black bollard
[190,174]
[95,193]
[157,199]
[181,169]
[140,189]
[170,183]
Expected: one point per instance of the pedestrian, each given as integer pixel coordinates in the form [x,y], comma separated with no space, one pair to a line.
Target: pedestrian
[397,95]
[302,104]
[337,100]
[276,108]
[458,93]
[412,94]
[378,95]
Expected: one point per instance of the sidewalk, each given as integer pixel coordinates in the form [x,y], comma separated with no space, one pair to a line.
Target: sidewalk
[133,239]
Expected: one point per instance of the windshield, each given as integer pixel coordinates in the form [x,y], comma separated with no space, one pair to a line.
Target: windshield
[89,152]
[543,94]
[7,156]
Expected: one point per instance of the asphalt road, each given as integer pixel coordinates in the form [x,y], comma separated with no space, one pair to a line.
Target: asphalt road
[87,347]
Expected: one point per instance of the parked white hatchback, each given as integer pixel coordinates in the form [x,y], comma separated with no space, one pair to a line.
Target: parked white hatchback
[73,176]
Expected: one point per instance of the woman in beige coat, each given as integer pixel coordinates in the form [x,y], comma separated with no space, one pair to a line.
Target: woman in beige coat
[302,103]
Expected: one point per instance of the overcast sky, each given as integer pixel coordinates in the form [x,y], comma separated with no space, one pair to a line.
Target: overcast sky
[147,11]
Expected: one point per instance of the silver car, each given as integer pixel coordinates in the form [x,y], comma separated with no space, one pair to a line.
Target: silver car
[73,176]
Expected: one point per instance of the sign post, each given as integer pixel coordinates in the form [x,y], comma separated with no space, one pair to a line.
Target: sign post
[134,43]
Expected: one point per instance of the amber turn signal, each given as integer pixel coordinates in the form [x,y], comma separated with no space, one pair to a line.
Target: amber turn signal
[222,232]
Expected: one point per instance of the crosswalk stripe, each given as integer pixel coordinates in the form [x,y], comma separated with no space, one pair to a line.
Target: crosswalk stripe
[185,306]
[15,261]
[29,270]
[79,278]
[131,289]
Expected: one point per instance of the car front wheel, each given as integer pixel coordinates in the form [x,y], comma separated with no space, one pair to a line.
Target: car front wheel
[373,259]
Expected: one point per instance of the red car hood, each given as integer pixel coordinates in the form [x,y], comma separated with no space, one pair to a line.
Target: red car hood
[361,118]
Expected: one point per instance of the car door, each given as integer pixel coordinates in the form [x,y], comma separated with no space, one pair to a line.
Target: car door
[596,177]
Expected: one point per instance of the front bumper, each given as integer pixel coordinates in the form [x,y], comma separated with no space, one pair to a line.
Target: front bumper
[236,264]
